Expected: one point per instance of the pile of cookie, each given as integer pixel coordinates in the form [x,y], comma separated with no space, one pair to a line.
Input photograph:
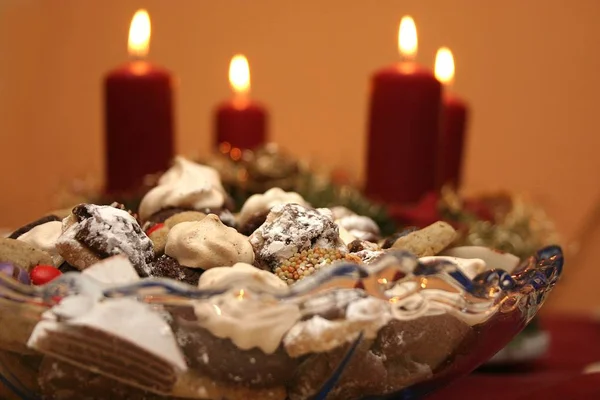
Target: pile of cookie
[235,345]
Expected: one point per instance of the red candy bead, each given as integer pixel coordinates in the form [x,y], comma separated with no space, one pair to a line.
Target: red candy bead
[154,228]
[42,274]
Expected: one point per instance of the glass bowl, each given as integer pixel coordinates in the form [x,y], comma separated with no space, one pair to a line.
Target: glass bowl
[400,328]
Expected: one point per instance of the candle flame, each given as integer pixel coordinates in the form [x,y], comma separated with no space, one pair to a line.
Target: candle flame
[139,35]
[240,295]
[444,66]
[239,75]
[407,38]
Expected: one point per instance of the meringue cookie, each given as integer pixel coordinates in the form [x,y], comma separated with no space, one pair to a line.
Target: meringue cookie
[44,237]
[242,276]
[186,184]
[340,212]
[207,244]
[361,227]
[260,203]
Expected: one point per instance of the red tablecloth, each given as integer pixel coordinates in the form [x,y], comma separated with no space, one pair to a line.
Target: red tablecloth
[575,343]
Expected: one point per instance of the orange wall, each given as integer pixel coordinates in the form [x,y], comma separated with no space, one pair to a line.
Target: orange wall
[529,70]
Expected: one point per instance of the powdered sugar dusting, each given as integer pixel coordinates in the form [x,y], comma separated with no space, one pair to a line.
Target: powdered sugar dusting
[369,256]
[318,334]
[292,228]
[109,231]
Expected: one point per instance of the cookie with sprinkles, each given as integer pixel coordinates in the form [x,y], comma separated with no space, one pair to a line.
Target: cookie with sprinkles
[295,239]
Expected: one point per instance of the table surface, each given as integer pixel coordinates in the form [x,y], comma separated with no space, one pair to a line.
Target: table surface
[574,344]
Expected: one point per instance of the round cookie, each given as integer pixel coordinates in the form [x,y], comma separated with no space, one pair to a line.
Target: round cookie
[22,254]
[186,216]
[163,215]
[158,232]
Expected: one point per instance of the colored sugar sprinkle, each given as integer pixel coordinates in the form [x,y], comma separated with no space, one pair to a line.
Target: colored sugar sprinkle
[305,263]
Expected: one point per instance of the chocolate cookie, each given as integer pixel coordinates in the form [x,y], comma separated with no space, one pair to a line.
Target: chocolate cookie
[403,353]
[66,267]
[96,232]
[168,267]
[221,360]
[291,229]
[253,223]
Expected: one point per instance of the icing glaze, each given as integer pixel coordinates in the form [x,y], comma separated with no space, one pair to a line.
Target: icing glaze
[433,301]
[247,319]
[113,270]
[125,318]
[469,266]
[207,244]
[492,258]
[318,334]
[187,185]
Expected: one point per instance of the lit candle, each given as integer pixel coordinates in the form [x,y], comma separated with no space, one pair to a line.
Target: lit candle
[404,126]
[240,123]
[454,121]
[138,109]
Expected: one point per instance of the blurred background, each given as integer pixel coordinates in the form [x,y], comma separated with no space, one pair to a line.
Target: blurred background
[528,69]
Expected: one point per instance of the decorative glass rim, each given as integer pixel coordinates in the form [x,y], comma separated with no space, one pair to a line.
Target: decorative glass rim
[538,273]
[408,285]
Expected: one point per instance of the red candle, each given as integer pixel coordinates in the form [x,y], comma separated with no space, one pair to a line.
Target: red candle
[454,123]
[240,123]
[403,127]
[138,108]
